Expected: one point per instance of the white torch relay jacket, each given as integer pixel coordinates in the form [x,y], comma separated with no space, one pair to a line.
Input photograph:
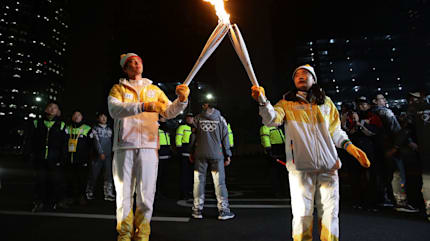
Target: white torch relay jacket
[312,133]
[133,128]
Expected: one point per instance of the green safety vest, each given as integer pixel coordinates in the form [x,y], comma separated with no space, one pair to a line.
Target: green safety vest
[230,135]
[48,125]
[74,135]
[270,136]
[163,137]
[183,134]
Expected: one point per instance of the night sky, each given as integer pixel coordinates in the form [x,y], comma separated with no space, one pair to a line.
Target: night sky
[171,34]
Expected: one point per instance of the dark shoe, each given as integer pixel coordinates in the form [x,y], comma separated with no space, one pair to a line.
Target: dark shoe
[38,206]
[407,208]
[110,198]
[223,215]
[197,214]
[357,206]
[90,195]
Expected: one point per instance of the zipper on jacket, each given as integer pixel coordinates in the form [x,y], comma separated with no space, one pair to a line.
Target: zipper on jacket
[315,141]
[292,150]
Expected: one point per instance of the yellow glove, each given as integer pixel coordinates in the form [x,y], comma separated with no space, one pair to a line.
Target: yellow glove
[154,107]
[182,91]
[359,155]
[256,92]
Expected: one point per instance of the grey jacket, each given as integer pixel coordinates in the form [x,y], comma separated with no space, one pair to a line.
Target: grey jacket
[210,140]
[102,137]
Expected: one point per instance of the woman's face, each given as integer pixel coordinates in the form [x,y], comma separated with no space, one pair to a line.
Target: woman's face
[303,80]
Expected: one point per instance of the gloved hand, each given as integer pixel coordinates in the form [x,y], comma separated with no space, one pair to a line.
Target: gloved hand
[154,107]
[182,91]
[256,92]
[359,155]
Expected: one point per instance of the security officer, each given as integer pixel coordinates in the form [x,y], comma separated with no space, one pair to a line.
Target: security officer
[164,155]
[182,141]
[272,140]
[46,149]
[230,136]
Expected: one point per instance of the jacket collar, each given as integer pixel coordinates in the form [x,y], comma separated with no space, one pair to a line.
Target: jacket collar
[143,82]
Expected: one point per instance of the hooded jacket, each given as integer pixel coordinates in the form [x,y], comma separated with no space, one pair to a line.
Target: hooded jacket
[102,136]
[210,140]
[312,133]
[132,127]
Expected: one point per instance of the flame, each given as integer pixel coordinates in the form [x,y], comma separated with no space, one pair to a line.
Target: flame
[223,16]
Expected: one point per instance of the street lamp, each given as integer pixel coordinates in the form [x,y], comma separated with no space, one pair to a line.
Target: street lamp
[209,96]
[38,99]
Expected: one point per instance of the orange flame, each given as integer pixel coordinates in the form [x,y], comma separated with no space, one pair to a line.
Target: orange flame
[223,16]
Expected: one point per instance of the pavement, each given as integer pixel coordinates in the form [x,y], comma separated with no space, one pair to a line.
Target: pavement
[260,216]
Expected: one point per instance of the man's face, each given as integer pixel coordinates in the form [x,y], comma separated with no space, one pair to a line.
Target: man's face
[413,100]
[189,119]
[205,106]
[380,100]
[102,119]
[77,117]
[133,67]
[52,110]
[363,106]
[303,80]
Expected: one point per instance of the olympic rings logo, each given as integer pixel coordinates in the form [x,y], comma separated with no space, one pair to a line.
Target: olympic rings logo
[208,126]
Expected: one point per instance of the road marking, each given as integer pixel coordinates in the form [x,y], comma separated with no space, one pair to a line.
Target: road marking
[92,216]
[184,203]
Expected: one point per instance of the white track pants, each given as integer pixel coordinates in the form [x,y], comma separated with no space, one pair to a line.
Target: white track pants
[134,171]
[426,191]
[323,189]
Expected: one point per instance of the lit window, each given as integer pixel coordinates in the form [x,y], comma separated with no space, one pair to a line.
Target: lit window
[32,115]
[38,99]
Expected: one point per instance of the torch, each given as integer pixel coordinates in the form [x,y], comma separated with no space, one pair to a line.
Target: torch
[240,47]
[214,40]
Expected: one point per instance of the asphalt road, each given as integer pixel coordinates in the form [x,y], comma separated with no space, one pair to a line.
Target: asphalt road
[260,215]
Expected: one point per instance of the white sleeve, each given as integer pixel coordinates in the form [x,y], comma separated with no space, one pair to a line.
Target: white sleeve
[270,116]
[119,110]
[174,109]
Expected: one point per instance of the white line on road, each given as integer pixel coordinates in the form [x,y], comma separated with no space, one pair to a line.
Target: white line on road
[93,216]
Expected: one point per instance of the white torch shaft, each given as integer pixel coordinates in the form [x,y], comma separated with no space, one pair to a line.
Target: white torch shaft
[213,42]
[242,52]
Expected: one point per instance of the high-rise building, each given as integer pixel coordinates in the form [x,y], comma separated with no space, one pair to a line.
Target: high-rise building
[33,45]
